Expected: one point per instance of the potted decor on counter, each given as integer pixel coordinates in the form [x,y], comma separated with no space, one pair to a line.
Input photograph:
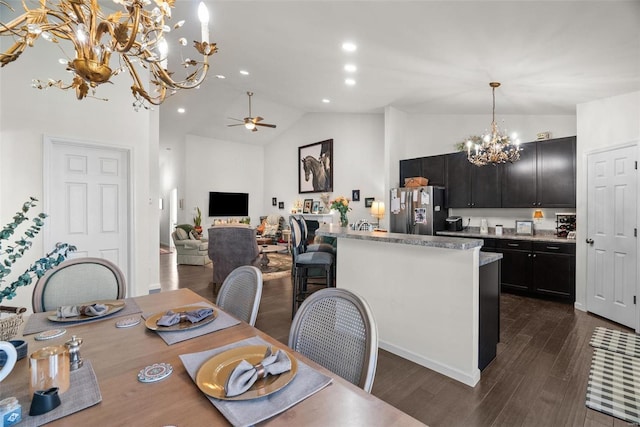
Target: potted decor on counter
[197,221]
[341,204]
[10,254]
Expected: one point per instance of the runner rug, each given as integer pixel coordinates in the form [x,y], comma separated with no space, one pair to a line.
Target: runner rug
[616,341]
[614,385]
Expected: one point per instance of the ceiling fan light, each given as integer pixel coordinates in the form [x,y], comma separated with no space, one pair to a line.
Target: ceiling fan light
[250,125]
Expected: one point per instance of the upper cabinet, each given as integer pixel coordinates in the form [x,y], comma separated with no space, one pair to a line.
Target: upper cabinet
[545,176]
[470,186]
[431,167]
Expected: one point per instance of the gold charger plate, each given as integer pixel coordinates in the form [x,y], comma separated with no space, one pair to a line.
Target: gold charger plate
[113,306]
[151,322]
[213,374]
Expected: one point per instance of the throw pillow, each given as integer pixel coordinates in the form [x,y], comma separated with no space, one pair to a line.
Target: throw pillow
[260,228]
[270,230]
[181,234]
[192,235]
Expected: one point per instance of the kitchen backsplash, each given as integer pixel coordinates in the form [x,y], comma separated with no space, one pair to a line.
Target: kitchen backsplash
[507,217]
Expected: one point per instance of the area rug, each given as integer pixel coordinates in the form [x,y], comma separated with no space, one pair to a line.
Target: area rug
[616,341]
[279,266]
[614,385]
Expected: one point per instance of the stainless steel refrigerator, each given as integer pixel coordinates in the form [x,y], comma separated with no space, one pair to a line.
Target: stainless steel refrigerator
[417,210]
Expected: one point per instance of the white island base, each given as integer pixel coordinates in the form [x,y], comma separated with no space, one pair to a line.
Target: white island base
[424,298]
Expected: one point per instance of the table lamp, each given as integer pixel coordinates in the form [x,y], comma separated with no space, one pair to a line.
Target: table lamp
[377,210]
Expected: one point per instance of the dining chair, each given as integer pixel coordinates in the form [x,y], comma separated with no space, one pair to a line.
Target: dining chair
[76,281]
[304,263]
[240,293]
[335,328]
[313,247]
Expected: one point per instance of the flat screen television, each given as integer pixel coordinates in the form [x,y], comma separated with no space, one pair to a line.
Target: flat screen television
[228,204]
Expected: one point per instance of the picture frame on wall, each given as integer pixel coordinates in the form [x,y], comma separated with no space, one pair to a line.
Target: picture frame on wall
[524,227]
[355,195]
[280,205]
[306,207]
[368,201]
[315,206]
[315,167]
[274,201]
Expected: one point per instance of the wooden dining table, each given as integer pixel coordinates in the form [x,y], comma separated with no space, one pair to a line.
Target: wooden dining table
[118,354]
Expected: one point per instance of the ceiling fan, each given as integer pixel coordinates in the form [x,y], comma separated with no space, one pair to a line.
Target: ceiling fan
[250,122]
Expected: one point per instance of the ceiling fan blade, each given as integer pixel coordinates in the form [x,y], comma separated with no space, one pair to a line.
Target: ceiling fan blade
[265,125]
[239,124]
[254,130]
[233,118]
[257,119]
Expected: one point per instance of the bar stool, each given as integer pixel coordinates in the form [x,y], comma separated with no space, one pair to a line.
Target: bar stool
[305,261]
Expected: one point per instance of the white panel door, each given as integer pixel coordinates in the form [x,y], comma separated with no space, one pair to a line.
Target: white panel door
[87,199]
[611,228]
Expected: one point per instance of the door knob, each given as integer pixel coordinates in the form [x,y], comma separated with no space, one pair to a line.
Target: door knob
[590,241]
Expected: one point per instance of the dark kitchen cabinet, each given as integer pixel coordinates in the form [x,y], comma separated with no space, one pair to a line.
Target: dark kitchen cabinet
[545,175]
[431,167]
[554,269]
[470,186]
[536,268]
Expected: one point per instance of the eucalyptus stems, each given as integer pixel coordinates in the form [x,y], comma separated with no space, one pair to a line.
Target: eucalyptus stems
[10,254]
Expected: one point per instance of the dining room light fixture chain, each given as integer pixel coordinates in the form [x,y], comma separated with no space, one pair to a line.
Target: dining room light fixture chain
[495,146]
[135,34]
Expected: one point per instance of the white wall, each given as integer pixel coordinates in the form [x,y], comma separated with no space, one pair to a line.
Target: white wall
[215,165]
[603,123]
[27,115]
[358,164]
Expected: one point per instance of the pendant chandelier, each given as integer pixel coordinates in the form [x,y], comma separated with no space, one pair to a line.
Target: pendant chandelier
[494,146]
[135,35]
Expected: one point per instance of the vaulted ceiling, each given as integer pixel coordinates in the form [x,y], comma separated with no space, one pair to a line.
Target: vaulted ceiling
[434,57]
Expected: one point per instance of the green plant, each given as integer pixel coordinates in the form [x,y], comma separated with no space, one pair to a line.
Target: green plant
[197,220]
[13,253]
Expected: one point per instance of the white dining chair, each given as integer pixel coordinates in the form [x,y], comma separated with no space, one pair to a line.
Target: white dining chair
[241,292]
[76,281]
[336,328]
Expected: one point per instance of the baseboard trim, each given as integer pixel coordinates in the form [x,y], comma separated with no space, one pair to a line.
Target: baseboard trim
[155,288]
[456,374]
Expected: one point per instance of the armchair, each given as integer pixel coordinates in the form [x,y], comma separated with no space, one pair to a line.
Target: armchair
[231,247]
[190,250]
[273,226]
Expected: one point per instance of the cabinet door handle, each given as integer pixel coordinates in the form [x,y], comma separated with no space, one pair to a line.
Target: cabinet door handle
[515,245]
[529,255]
[534,255]
[553,247]
[590,241]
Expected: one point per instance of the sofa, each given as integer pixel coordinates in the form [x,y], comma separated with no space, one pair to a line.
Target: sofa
[271,227]
[189,249]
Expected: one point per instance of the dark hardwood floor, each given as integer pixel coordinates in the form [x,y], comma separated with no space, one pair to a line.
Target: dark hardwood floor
[538,378]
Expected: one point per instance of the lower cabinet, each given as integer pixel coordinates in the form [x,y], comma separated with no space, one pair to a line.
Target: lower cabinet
[536,268]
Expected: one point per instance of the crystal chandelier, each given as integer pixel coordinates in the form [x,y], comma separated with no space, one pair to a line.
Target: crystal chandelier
[494,146]
[134,34]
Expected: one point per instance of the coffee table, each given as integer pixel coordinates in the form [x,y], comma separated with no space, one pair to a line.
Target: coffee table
[269,249]
[264,240]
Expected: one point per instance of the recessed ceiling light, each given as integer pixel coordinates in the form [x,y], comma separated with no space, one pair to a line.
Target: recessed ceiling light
[220,76]
[326,101]
[181,110]
[349,82]
[350,68]
[349,47]
[244,72]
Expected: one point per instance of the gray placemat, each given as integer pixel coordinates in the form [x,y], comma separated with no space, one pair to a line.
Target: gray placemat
[83,393]
[307,382]
[38,322]
[223,321]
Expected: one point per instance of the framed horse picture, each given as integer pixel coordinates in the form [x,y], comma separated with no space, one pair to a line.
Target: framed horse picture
[315,167]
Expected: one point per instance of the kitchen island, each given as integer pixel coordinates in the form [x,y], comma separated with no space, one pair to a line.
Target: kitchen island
[424,293]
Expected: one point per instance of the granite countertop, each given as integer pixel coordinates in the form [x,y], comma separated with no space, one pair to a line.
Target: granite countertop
[489,257]
[509,233]
[333,230]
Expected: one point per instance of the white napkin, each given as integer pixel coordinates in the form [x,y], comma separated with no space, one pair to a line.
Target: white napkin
[245,374]
[77,310]
[194,316]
